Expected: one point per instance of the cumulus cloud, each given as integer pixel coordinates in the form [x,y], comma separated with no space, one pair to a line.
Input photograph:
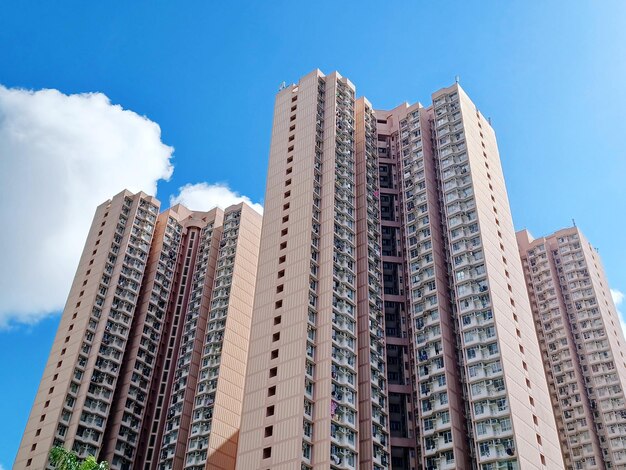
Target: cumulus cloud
[204,196]
[618,297]
[60,156]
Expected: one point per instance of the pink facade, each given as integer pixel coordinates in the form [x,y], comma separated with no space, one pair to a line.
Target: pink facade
[377,318]
[583,346]
[159,304]
[391,317]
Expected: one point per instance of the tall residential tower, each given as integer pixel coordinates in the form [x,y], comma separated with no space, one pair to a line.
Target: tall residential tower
[147,367]
[582,345]
[392,328]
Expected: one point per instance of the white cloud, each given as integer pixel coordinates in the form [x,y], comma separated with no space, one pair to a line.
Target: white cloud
[204,196]
[618,297]
[60,156]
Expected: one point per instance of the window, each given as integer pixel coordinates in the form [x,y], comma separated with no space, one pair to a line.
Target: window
[273,371]
[481,428]
[288,182]
[274,354]
[278,304]
[284,232]
[282,259]
[306,451]
[267,452]
[277,320]
[484,449]
[269,430]
[269,411]
[276,337]
[271,391]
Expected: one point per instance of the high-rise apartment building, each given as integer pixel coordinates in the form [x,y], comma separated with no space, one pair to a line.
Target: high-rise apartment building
[582,347]
[391,326]
[379,319]
[147,367]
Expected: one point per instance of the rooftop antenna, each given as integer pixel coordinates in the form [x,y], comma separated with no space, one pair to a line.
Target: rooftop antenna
[457,79]
[489,120]
[282,86]
[573,222]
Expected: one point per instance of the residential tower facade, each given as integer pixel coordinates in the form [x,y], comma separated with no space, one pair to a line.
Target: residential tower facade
[392,328]
[160,303]
[582,345]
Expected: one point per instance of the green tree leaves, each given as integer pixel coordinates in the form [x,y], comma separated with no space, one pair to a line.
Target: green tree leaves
[64,459]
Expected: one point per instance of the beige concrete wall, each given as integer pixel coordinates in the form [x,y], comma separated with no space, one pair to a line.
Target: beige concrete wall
[72,336]
[223,441]
[156,374]
[290,339]
[559,352]
[526,385]
[584,346]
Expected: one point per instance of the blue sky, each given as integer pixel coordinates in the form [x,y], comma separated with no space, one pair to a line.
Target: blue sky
[549,74]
